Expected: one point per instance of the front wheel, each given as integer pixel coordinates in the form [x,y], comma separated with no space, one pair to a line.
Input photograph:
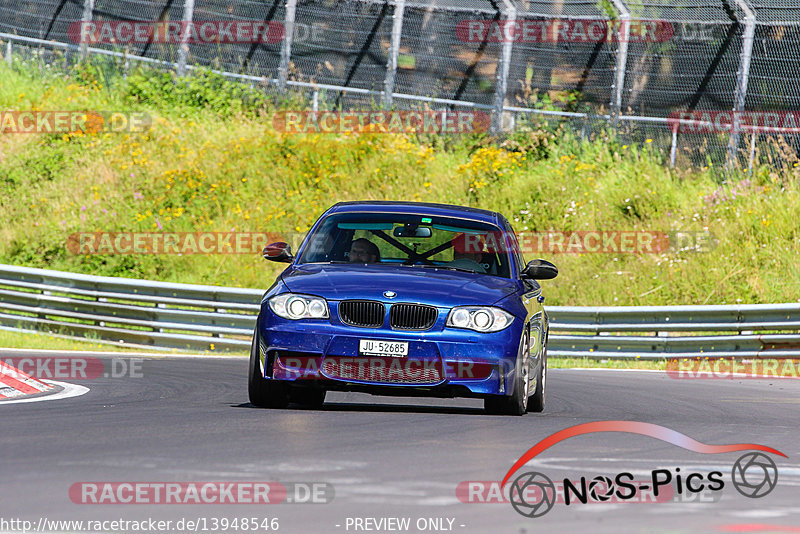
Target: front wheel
[262,392]
[536,401]
[517,402]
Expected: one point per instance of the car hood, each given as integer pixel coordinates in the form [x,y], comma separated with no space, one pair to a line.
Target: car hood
[440,288]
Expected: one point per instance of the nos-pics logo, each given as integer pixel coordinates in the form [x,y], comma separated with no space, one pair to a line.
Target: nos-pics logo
[533,494]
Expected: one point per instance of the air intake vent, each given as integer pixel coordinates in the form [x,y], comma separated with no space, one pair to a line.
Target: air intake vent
[412,316]
[363,313]
[383,370]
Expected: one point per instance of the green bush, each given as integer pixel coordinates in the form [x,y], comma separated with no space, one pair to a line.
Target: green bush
[201,89]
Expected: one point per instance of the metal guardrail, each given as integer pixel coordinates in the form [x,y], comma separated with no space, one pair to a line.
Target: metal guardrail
[165,315]
[676,331]
[128,311]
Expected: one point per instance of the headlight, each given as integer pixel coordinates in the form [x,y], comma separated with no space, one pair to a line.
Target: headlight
[479,318]
[294,306]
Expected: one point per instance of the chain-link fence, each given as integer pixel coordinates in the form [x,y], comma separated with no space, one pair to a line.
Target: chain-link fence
[706,81]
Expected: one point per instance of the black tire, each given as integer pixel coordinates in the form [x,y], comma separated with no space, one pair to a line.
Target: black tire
[517,402]
[264,393]
[536,401]
[308,397]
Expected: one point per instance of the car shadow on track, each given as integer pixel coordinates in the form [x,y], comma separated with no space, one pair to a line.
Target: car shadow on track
[386,408]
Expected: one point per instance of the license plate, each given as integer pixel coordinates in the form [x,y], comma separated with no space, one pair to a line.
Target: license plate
[374,347]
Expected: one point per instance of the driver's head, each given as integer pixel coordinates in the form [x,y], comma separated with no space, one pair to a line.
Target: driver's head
[364,251]
[468,246]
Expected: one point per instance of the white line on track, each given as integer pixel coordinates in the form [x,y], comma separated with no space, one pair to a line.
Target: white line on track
[70,390]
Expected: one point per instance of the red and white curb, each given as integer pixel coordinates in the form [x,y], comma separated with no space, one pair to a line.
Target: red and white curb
[14,383]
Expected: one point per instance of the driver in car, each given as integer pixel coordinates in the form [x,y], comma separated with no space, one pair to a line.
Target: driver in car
[363,250]
[468,252]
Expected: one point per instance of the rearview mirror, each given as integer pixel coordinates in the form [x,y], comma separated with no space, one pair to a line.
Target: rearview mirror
[410,230]
[279,251]
[539,270]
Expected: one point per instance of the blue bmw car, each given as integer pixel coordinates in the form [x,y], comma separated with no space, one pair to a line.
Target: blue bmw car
[402,298]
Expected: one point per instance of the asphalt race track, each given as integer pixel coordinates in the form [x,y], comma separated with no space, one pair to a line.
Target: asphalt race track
[188,419]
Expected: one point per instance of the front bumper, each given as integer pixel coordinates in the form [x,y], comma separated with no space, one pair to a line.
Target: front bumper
[440,362]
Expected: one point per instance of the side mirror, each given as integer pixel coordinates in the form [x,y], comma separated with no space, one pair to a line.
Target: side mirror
[539,270]
[279,251]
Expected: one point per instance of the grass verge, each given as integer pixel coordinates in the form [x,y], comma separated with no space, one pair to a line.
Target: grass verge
[46,341]
[568,363]
[212,161]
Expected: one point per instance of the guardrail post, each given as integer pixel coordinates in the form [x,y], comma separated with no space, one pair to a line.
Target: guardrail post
[286,46]
[43,314]
[88,9]
[157,306]
[183,50]
[394,50]
[742,76]
[9,58]
[622,60]
[752,158]
[503,65]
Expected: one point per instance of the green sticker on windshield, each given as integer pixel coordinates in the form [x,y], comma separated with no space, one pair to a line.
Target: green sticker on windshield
[426,219]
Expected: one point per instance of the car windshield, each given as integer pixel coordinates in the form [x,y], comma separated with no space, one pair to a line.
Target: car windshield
[413,240]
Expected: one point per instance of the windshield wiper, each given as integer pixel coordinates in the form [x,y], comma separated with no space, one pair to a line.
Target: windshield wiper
[447,267]
[323,262]
[346,262]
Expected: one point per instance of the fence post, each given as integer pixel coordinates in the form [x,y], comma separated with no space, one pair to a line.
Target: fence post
[126,63]
[673,149]
[9,57]
[509,34]
[394,49]
[286,46]
[88,9]
[622,60]
[742,76]
[183,50]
